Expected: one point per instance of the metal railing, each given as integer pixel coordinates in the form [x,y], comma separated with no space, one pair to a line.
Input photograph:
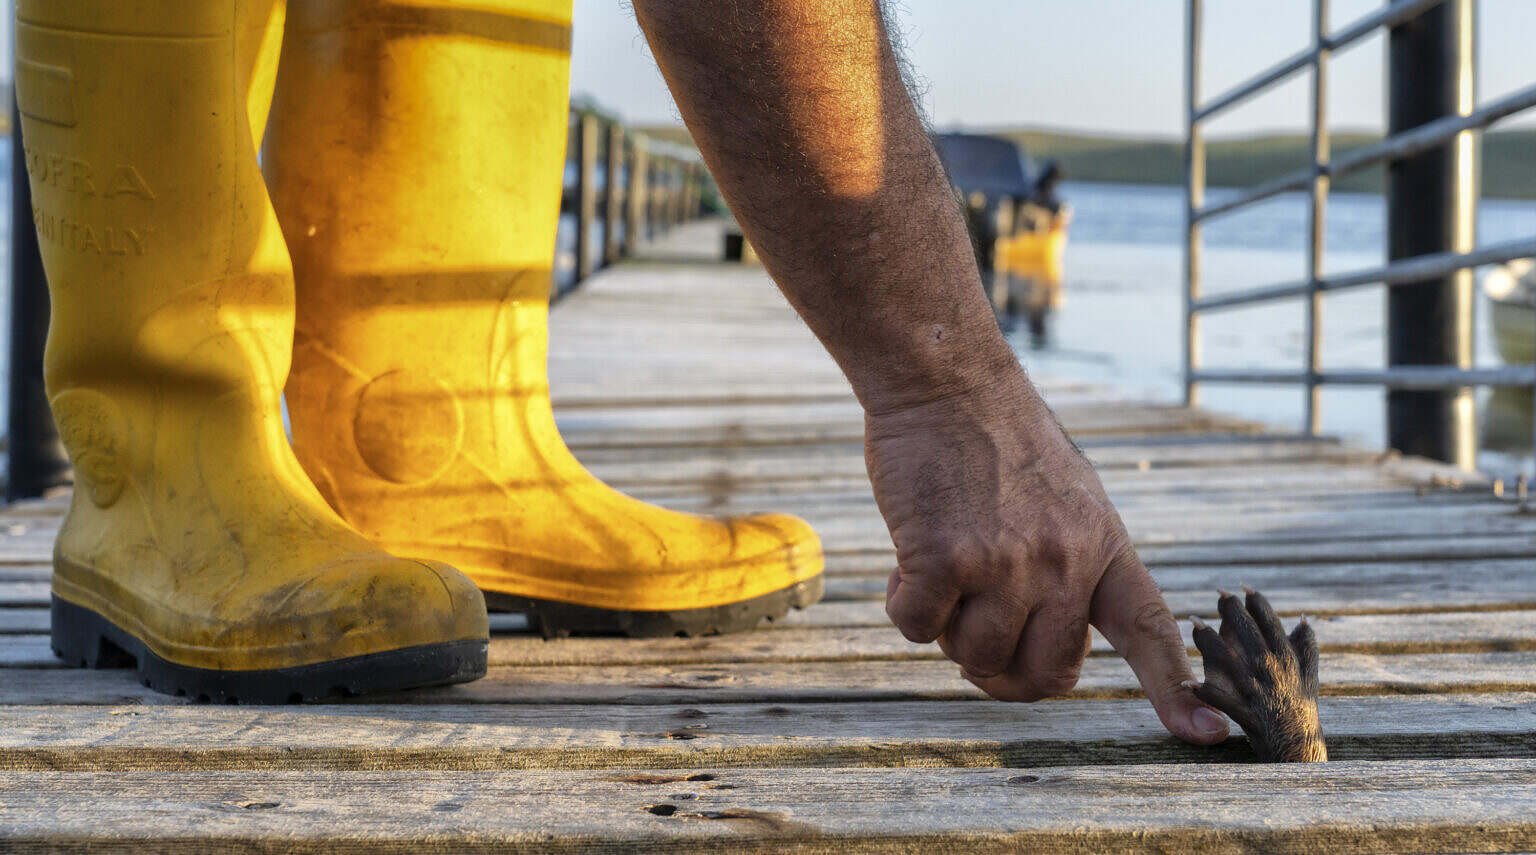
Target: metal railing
[1316,179]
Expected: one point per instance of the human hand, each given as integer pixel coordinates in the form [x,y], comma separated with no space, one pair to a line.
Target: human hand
[1008,549]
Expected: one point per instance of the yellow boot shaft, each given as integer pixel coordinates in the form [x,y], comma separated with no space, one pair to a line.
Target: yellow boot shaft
[193,528]
[419,399]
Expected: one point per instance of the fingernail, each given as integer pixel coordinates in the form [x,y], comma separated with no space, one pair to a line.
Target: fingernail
[1248,590]
[1207,722]
[1223,593]
[1190,684]
[1197,623]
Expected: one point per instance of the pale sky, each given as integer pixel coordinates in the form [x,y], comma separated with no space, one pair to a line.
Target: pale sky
[1112,66]
[1101,65]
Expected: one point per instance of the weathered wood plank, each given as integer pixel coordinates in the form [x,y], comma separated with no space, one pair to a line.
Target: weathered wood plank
[888,734]
[21,621]
[861,527]
[1463,632]
[758,682]
[865,541]
[1219,512]
[1402,806]
[1131,495]
[856,589]
[870,552]
[845,457]
[23,594]
[1383,634]
[25,572]
[844,418]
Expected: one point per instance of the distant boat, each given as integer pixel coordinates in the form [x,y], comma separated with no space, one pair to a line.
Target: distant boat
[1511,290]
[992,166]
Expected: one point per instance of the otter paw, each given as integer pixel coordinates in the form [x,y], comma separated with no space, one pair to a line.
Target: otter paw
[1263,679]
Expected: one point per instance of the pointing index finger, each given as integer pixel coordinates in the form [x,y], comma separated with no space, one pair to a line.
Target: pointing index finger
[1129,609]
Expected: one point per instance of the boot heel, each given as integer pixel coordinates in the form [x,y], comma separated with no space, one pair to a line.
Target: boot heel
[80,639]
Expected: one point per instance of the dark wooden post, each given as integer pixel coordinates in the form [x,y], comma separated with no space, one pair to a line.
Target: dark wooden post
[1432,207]
[675,194]
[691,193]
[586,192]
[634,221]
[653,222]
[613,194]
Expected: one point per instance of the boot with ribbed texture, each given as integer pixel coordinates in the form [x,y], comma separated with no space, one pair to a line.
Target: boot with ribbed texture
[194,544]
[415,160]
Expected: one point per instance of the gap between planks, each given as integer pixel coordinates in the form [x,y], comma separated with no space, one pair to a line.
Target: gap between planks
[1343,674]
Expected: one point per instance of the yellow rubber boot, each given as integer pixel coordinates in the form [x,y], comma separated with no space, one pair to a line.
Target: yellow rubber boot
[415,159]
[194,542]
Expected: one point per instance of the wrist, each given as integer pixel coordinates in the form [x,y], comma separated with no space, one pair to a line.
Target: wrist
[942,365]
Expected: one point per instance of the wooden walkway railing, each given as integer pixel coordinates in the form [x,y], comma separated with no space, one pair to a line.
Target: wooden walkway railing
[627,188]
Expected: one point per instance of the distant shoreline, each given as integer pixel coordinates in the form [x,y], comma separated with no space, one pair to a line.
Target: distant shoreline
[1508,162]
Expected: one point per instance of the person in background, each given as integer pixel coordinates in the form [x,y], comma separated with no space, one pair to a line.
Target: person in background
[1043,219]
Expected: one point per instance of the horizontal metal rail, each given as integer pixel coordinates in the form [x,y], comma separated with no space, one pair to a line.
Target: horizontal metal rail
[1418,269]
[1398,377]
[1387,16]
[1432,134]
[1287,183]
[1407,144]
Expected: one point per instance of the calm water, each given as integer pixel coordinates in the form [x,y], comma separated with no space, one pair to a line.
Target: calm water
[1123,319]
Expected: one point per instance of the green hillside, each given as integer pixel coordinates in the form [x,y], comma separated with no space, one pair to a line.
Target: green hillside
[1509,158]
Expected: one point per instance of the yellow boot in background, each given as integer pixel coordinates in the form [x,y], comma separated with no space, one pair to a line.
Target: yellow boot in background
[194,542]
[415,159]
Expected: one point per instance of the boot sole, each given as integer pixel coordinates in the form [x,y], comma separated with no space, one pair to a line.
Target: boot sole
[556,619]
[83,638]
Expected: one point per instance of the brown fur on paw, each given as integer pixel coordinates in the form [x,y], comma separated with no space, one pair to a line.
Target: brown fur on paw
[1263,679]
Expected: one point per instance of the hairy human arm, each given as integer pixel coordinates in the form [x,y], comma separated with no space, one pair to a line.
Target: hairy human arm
[802,115]
[1007,547]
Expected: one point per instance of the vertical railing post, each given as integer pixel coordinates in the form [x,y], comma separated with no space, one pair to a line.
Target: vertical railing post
[674,179]
[613,192]
[586,192]
[1431,207]
[35,459]
[1194,187]
[691,193]
[653,224]
[634,221]
[679,185]
[1317,235]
